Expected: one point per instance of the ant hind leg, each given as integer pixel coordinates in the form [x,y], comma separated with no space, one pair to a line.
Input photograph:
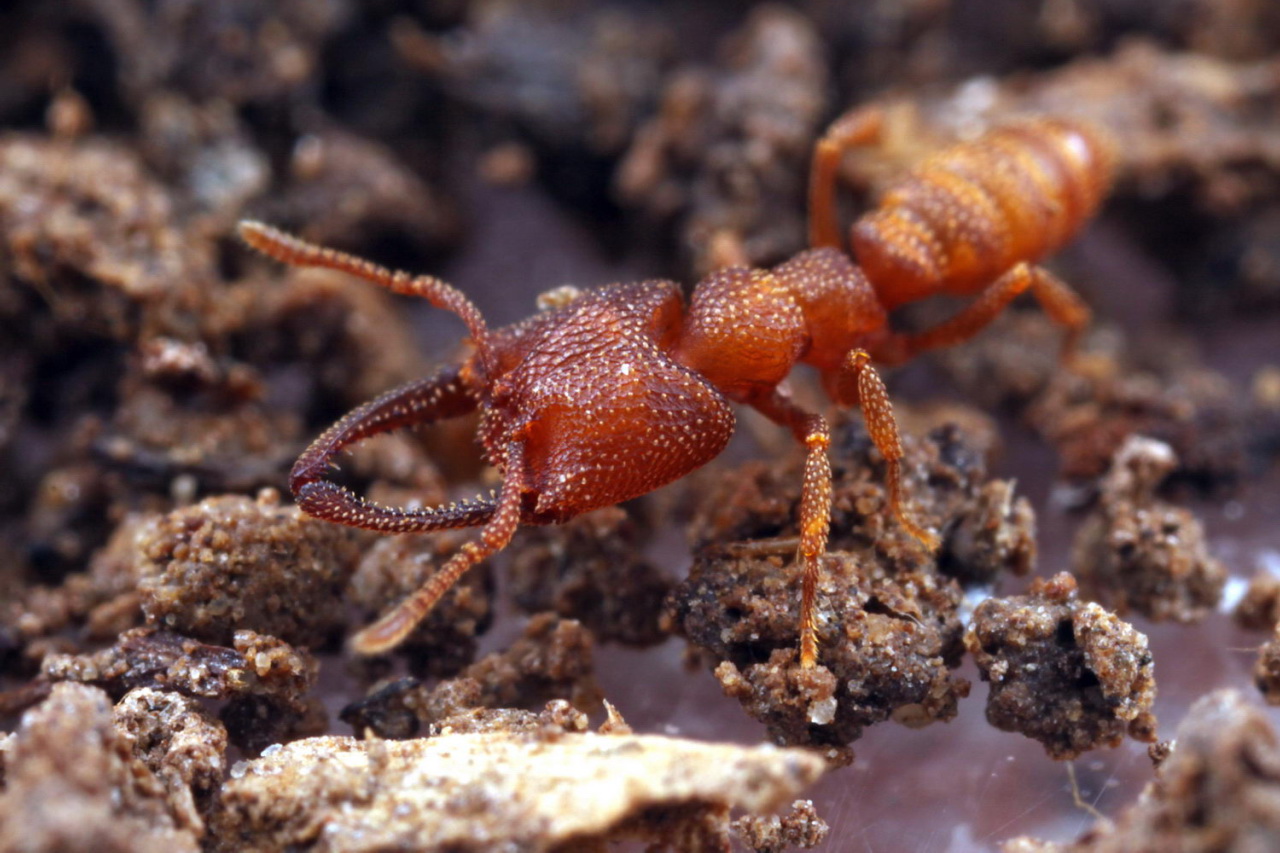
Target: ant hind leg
[815,509]
[1058,300]
[858,127]
[1064,306]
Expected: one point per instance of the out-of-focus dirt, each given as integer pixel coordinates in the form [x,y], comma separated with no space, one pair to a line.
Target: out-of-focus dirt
[1136,552]
[72,782]
[1217,790]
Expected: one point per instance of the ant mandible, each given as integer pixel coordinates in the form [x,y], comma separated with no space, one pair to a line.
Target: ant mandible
[618,391]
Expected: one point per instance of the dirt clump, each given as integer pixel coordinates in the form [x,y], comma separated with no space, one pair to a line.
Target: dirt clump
[1137,552]
[181,743]
[801,828]
[1266,672]
[1259,608]
[535,790]
[553,659]
[231,563]
[71,782]
[267,683]
[1064,672]
[591,569]
[382,199]
[889,632]
[445,641]
[726,153]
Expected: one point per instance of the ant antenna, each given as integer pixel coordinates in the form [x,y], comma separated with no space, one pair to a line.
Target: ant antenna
[294,251]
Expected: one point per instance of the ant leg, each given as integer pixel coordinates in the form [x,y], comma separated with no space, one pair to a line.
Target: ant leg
[424,401]
[815,509]
[393,626]
[1058,300]
[857,127]
[1064,306]
[877,412]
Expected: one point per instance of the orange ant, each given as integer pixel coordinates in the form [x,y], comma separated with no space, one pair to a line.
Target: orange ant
[612,393]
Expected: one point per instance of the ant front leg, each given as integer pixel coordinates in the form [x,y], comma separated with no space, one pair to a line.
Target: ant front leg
[859,127]
[815,508]
[1058,300]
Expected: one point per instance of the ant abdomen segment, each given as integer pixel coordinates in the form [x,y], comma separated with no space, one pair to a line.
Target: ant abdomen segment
[967,215]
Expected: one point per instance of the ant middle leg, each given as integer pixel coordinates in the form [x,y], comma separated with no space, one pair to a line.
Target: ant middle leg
[815,508]
[1058,300]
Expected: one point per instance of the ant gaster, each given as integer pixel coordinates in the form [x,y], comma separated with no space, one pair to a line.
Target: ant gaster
[617,391]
